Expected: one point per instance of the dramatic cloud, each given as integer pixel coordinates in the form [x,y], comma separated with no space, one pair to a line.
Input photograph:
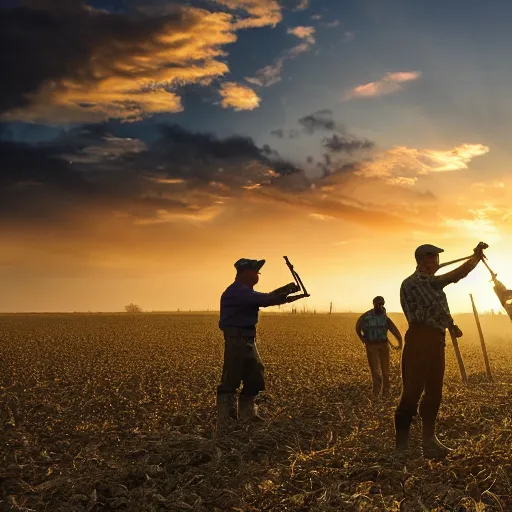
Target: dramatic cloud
[306,33]
[105,201]
[261,12]
[388,84]
[91,176]
[73,63]
[238,97]
[402,164]
[96,204]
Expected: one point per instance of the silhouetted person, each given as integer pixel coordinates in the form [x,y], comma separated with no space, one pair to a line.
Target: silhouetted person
[239,308]
[423,359]
[372,328]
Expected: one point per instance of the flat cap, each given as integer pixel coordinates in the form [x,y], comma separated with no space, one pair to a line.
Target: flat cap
[425,249]
[247,264]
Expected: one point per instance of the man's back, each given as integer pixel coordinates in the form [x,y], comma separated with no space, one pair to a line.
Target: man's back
[374,325]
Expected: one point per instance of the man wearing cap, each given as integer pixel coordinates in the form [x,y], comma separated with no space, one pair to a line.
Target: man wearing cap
[239,308]
[372,328]
[423,359]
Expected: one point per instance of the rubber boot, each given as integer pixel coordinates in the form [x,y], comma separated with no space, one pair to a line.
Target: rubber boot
[226,411]
[432,447]
[247,409]
[402,432]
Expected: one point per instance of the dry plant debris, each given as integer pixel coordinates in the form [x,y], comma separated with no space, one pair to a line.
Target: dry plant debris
[116,412]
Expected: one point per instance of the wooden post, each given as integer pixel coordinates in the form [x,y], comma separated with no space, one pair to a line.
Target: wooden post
[330,309]
[459,358]
[482,341]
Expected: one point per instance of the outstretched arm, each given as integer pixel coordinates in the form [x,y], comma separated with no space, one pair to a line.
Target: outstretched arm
[278,299]
[459,273]
[463,270]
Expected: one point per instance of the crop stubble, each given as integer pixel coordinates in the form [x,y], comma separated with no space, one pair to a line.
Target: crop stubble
[116,412]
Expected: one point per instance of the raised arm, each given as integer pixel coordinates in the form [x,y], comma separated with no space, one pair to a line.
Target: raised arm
[463,270]
[264,300]
[459,273]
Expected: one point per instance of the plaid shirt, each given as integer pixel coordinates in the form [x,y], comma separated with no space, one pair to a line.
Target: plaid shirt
[423,299]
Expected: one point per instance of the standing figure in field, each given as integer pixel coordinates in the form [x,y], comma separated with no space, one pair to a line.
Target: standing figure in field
[239,308]
[423,359]
[372,328]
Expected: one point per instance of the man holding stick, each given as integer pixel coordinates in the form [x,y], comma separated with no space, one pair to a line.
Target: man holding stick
[423,360]
[239,308]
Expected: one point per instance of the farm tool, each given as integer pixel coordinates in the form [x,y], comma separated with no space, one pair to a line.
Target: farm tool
[504,295]
[298,285]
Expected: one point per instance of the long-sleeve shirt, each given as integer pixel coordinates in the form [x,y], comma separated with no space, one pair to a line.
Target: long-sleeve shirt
[370,331]
[240,305]
[423,299]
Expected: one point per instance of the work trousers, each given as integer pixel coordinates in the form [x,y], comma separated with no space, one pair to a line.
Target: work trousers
[378,360]
[423,363]
[242,363]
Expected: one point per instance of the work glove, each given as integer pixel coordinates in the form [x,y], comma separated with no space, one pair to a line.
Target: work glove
[287,289]
[455,330]
[478,250]
[293,298]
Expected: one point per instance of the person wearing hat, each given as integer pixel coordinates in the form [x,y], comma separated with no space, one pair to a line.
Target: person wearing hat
[423,359]
[239,308]
[372,328]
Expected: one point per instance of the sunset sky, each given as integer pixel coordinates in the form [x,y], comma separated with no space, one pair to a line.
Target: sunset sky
[146,145]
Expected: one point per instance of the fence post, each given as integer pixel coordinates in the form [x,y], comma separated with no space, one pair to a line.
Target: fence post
[482,341]
[459,358]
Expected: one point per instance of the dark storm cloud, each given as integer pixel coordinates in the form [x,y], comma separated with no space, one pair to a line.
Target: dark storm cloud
[61,57]
[54,40]
[22,163]
[96,169]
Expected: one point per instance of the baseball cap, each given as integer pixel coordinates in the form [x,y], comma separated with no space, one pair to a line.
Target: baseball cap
[247,264]
[425,249]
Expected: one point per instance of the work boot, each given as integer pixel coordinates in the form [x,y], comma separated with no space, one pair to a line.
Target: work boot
[402,432]
[226,411]
[247,410]
[433,448]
